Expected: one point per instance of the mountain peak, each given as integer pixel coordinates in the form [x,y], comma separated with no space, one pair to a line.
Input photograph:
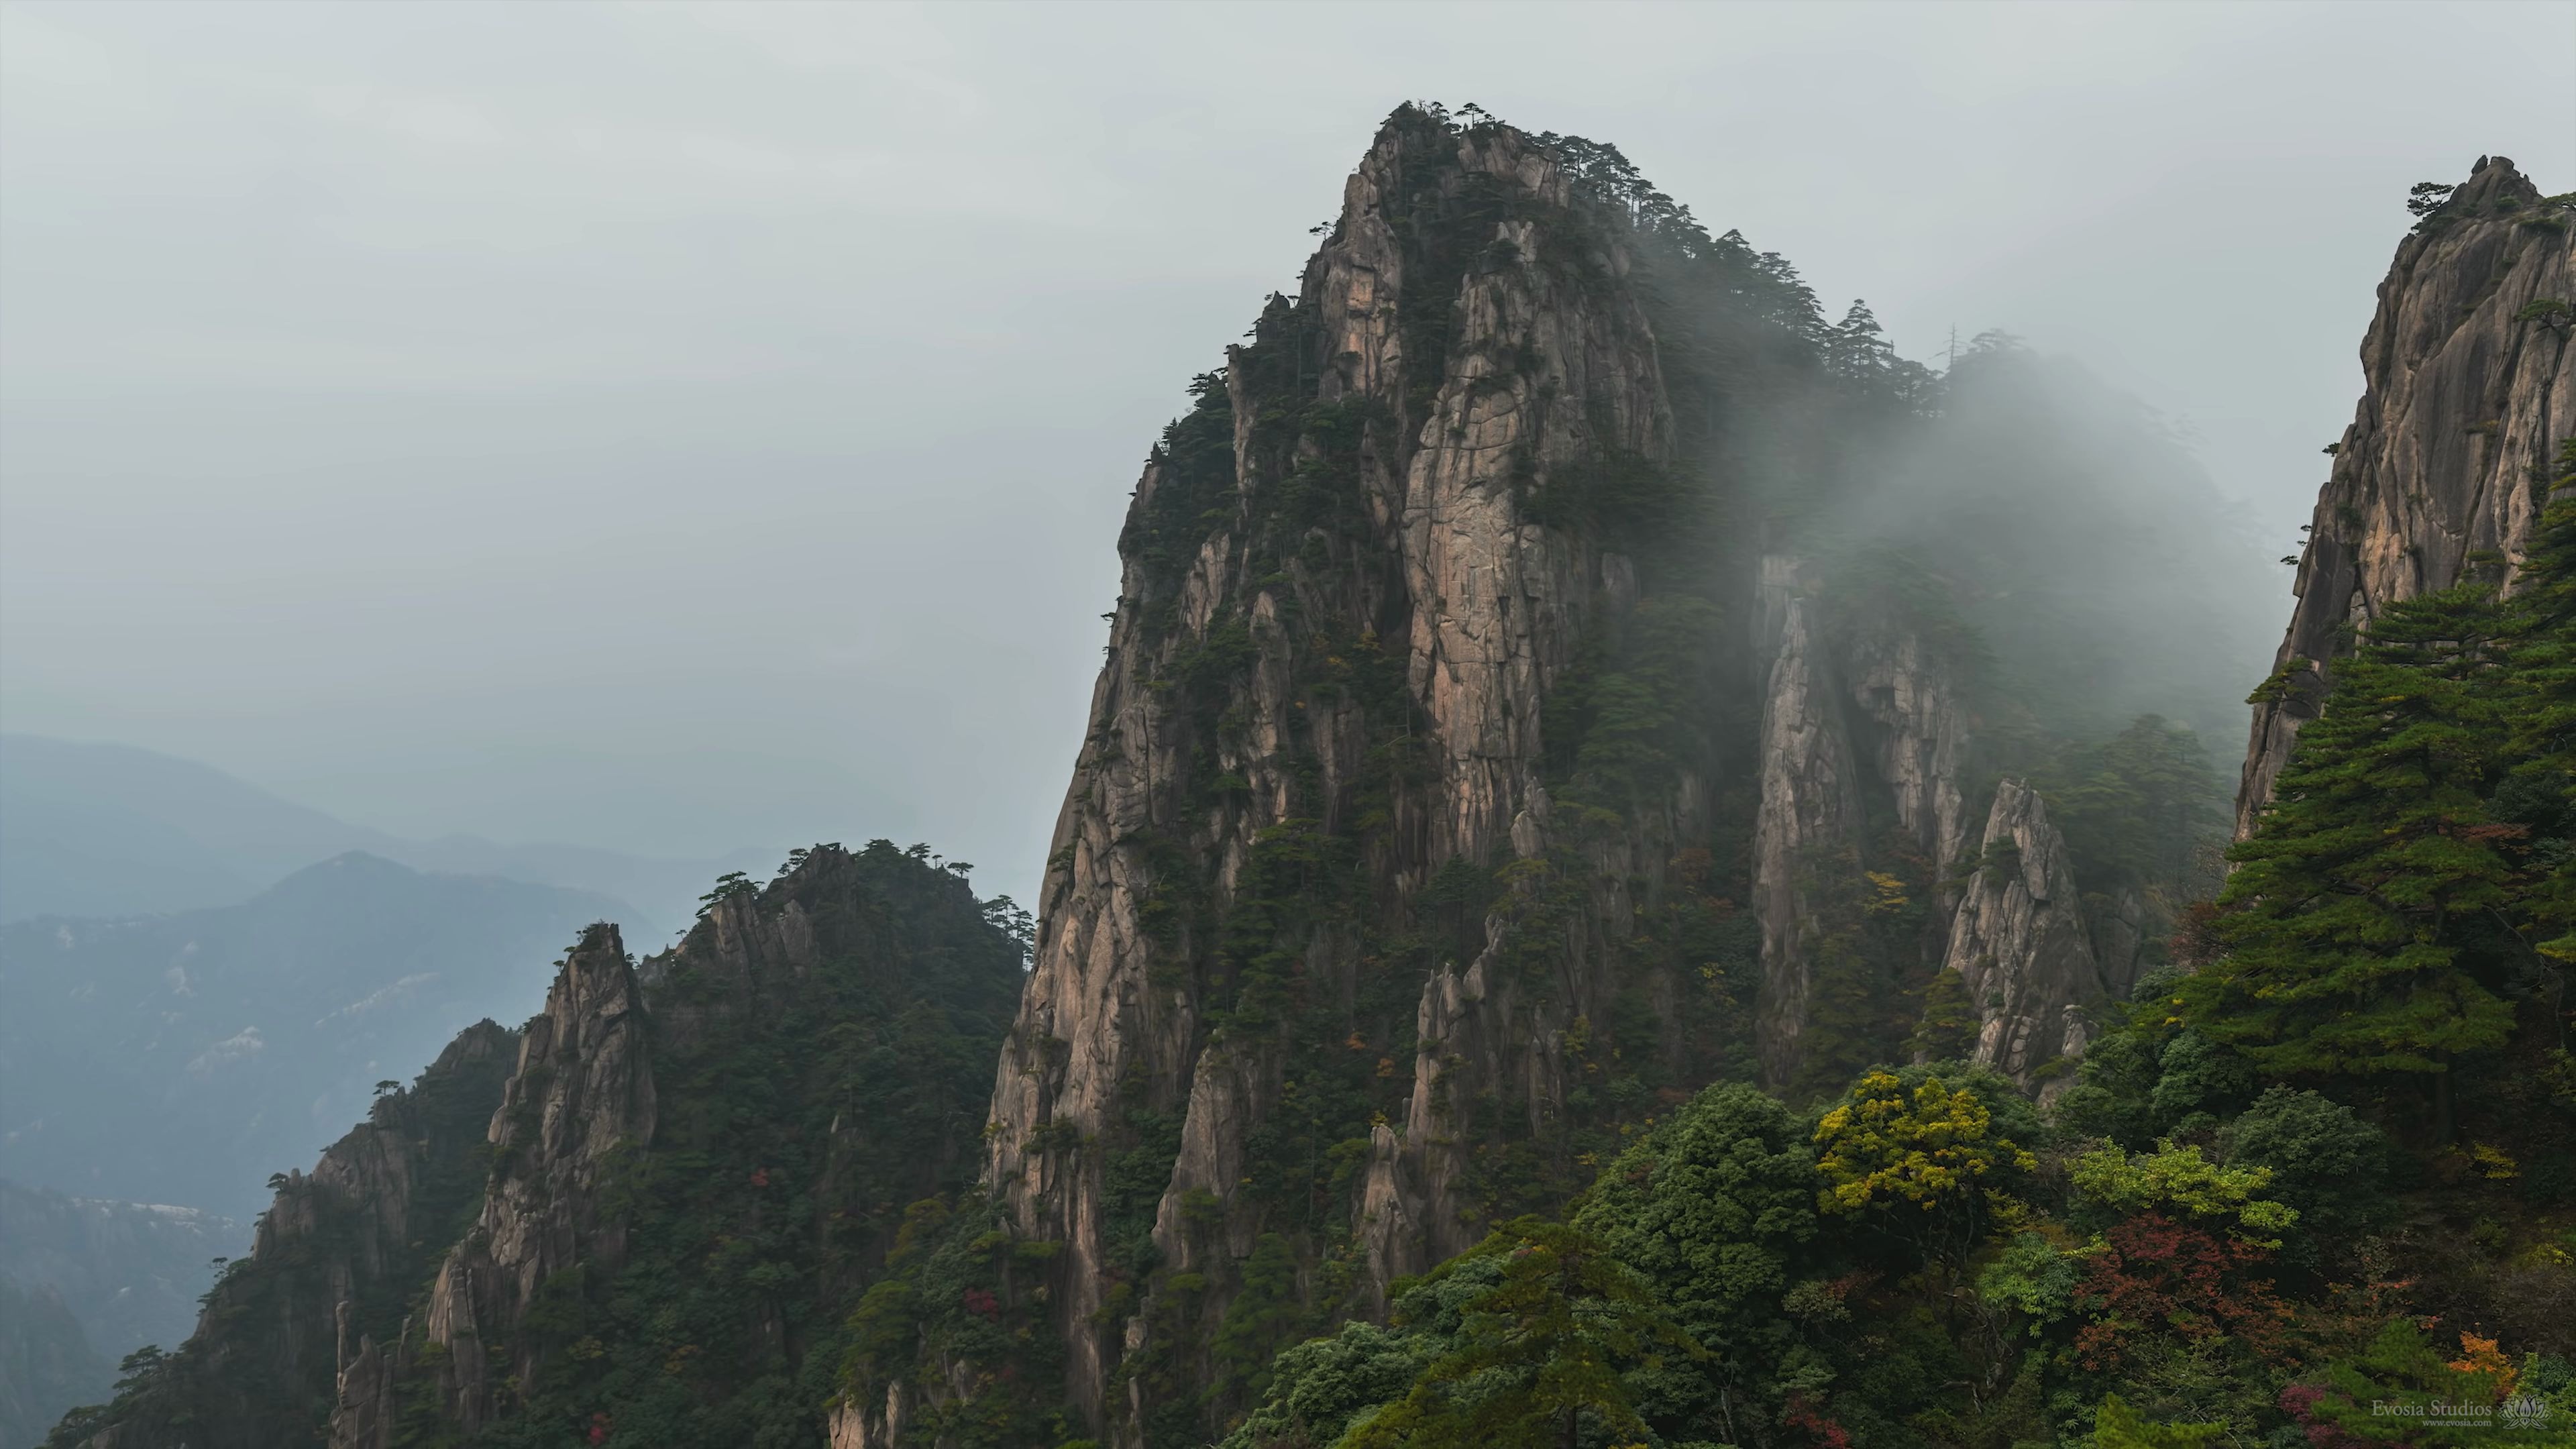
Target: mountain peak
[2491,181]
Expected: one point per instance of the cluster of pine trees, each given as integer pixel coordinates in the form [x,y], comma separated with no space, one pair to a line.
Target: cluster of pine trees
[2409,895]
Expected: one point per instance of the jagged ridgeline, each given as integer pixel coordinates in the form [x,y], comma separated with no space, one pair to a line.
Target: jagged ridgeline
[1552,673]
[643,1221]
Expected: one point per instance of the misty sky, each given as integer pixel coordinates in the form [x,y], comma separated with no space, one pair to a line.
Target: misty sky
[678,427]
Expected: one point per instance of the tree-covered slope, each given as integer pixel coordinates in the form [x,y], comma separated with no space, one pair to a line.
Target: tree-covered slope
[658,1208]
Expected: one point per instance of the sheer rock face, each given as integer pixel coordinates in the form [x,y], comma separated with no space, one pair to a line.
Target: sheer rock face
[2461,409]
[1477,610]
[2019,942]
[583,1090]
[1914,732]
[1860,711]
[1810,821]
[1480,1037]
[852,1425]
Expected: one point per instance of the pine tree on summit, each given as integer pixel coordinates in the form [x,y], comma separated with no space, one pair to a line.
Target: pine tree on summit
[2363,930]
[1856,348]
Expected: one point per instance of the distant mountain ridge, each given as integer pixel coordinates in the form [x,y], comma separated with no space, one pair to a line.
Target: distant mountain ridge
[46,1363]
[182,1058]
[129,1272]
[109,831]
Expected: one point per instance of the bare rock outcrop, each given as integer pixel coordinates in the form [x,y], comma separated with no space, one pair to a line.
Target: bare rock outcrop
[2465,397]
[868,959]
[1914,730]
[1856,708]
[2129,924]
[1810,818]
[2019,942]
[1480,1039]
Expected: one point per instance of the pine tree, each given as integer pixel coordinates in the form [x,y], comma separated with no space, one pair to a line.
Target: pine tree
[2541,792]
[2425,198]
[1538,1354]
[1856,348]
[2117,1426]
[2361,930]
[2144,802]
[1947,1030]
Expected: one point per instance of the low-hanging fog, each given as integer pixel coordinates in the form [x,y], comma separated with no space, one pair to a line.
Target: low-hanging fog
[683,428]
[2105,573]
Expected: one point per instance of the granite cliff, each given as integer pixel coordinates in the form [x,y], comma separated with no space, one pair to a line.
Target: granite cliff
[2467,392]
[2020,943]
[583,1093]
[1328,944]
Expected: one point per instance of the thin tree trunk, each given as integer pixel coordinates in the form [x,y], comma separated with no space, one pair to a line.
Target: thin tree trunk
[2445,1110]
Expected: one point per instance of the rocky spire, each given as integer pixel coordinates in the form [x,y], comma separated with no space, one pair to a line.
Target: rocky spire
[1329,675]
[2019,942]
[583,1090]
[1867,710]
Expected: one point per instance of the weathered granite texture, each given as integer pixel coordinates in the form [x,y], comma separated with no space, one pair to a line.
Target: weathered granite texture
[2462,407]
[583,1091]
[2019,942]
[1810,821]
[1528,361]
[1857,707]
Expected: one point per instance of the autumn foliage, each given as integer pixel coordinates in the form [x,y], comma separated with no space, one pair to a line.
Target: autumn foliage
[2152,1273]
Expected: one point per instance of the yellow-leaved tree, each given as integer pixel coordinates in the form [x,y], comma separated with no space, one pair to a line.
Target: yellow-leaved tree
[1927,1163]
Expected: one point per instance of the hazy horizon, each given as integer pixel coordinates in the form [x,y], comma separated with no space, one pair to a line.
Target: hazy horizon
[681,428]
